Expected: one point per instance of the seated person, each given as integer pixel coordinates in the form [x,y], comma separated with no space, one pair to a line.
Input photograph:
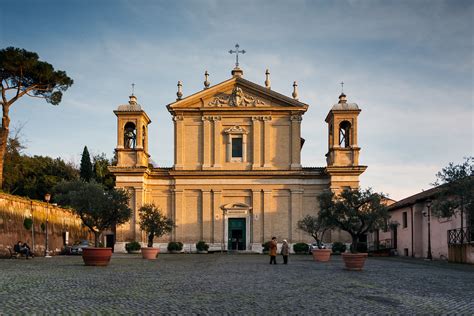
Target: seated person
[21,249]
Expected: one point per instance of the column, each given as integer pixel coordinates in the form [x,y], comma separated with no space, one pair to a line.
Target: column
[217,141]
[178,142]
[295,142]
[206,125]
[296,214]
[267,141]
[256,142]
[207,218]
[257,212]
[266,213]
[120,134]
[218,216]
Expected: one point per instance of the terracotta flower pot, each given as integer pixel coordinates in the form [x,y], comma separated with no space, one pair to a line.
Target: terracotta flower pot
[321,255]
[150,253]
[96,256]
[354,261]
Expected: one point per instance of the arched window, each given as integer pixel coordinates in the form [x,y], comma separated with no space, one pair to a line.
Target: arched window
[344,134]
[130,135]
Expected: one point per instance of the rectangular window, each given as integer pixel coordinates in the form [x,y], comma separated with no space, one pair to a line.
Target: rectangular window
[405,219]
[237,147]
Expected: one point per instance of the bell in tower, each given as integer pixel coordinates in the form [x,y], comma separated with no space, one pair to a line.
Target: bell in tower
[132,135]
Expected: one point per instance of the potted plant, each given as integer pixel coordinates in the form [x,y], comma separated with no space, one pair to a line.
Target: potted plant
[316,227]
[155,224]
[99,209]
[133,247]
[175,246]
[357,212]
[300,248]
[202,247]
[266,247]
[338,248]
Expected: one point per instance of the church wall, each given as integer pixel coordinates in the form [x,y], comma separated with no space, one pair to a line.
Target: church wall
[193,142]
[280,151]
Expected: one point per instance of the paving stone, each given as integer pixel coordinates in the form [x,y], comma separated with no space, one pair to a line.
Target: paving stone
[233,284]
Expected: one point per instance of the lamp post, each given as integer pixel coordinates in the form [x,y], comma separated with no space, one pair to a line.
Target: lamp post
[428,205]
[47,198]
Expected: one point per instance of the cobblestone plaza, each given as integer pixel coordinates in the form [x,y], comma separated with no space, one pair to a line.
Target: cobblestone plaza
[233,284]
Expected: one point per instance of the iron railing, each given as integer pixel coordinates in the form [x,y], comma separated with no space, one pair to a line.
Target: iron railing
[460,236]
[379,245]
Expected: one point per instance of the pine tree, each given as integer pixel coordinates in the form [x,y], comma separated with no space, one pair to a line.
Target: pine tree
[86,166]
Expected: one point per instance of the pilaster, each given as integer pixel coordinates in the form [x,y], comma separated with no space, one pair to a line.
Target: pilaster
[267,141]
[257,216]
[218,217]
[295,142]
[266,209]
[206,125]
[217,141]
[178,142]
[207,218]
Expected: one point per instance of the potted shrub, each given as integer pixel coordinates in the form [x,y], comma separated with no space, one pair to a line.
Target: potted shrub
[99,209]
[357,212]
[300,248]
[202,247]
[175,246]
[266,247]
[155,224]
[338,248]
[133,247]
[316,227]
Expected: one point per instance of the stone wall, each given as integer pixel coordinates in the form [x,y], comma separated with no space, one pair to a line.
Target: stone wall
[63,226]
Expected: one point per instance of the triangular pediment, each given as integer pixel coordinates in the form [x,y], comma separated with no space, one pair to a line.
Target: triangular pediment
[237,93]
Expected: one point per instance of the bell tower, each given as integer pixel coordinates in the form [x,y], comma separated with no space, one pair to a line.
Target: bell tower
[132,135]
[343,152]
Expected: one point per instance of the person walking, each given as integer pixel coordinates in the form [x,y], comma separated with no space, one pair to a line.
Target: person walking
[285,251]
[273,250]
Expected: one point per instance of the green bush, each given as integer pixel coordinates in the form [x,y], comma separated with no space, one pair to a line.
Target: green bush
[27,223]
[300,247]
[175,246]
[338,247]
[132,246]
[266,246]
[202,246]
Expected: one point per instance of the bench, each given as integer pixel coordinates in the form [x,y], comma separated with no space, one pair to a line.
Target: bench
[16,255]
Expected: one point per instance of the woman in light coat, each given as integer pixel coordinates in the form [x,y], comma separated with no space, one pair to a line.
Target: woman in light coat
[285,251]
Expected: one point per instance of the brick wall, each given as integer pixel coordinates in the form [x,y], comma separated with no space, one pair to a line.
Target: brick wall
[14,210]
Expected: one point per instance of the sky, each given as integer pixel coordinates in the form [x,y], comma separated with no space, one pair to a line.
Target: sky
[407,64]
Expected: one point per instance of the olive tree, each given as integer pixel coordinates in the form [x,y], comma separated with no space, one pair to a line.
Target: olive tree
[154,223]
[355,211]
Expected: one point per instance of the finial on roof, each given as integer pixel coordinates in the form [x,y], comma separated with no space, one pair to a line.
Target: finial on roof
[295,91]
[206,82]
[179,94]
[342,98]
[132,100]
[267,79]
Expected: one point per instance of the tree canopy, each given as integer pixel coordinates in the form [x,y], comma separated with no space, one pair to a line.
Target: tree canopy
[99,209]
[154,222]
[355,211]
[33,176]
[22,73]
[456,190]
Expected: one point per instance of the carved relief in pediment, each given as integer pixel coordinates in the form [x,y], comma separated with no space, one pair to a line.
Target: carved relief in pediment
[236,98]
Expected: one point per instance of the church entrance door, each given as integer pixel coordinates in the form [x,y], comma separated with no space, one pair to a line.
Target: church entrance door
[236,233]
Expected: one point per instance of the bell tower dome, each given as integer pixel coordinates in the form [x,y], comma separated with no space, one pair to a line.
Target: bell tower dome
[132,135]
[343,151]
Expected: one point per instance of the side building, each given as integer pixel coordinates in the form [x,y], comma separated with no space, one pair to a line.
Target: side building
[237,178]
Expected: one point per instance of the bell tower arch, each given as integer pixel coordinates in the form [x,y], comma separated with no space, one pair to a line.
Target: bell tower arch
[132,135]
[343,151]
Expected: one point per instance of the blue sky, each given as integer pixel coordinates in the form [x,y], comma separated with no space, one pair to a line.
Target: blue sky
[407,64]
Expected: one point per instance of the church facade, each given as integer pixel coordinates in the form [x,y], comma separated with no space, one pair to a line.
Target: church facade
[237,178]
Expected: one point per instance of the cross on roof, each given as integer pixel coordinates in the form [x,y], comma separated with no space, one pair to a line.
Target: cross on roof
[236,52]
[342,86]
[133,88]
